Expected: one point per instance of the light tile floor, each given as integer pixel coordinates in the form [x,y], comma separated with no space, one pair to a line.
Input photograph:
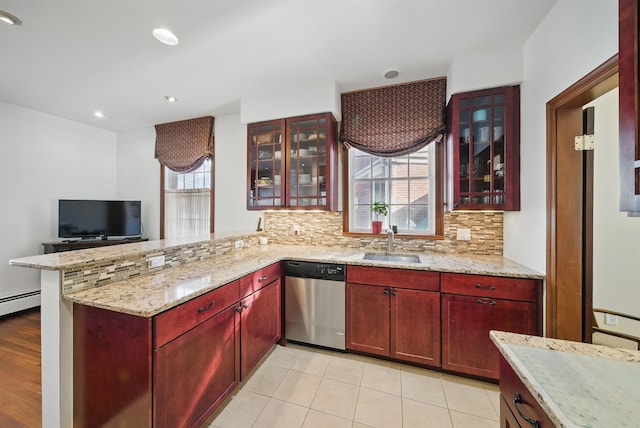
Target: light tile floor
[298,386]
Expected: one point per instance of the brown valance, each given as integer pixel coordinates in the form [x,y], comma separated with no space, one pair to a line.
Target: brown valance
[394,120]
[183,146]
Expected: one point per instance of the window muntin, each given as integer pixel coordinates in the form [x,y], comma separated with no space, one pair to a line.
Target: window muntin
[407,183]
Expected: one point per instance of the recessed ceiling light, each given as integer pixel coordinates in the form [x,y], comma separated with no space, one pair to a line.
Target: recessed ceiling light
[9,19]
[170,99]
[391,73]
[165,36]
[98,114]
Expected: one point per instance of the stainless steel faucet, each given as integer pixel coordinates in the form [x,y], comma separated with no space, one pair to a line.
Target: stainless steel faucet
[390,234]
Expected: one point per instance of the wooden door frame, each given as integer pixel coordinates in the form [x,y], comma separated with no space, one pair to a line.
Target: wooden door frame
[575,287]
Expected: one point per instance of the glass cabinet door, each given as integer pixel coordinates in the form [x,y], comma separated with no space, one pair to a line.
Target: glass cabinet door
[482,157]
[266,164]
[308,162]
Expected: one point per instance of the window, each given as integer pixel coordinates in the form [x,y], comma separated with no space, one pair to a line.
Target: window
[187,202]
[409,184]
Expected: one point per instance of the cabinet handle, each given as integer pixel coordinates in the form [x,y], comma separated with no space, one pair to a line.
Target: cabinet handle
[263,278]
[386,292]
[486,287]
[486,302]
[517,400]
[211,305]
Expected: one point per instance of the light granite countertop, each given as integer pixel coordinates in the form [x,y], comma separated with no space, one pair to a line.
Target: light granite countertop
[151,294]
[576,384]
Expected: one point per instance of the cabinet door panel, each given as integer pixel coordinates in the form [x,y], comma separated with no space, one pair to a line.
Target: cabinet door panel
[368,319]
[466,322]
[415,326]
[195,372]
[261,325]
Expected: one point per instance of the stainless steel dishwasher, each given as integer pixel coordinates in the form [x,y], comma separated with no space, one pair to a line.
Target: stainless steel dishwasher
[314,301]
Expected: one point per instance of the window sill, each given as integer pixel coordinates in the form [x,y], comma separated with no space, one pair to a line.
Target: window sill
[397,236]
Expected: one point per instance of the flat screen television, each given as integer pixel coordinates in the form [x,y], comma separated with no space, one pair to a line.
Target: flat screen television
[86,219]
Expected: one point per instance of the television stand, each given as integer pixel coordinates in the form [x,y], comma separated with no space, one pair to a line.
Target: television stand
[57,247]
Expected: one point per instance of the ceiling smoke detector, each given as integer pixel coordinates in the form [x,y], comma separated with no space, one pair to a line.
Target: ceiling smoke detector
[165,36]
[391,73]
[9,19]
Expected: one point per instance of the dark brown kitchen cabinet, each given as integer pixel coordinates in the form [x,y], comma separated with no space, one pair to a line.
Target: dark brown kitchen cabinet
[176,368]
[484,142]
[517,402]
[628,102]
[292,163]
[394,313]
[261,324]
[196,371]
[473,305]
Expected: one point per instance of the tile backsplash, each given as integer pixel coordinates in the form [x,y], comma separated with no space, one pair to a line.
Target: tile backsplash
[325,228]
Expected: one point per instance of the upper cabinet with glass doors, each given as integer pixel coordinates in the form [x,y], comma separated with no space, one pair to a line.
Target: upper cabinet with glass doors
[484,141]
[293,163]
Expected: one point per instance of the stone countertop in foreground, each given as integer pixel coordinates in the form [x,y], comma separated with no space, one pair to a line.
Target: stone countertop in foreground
[151,294]
[576,384]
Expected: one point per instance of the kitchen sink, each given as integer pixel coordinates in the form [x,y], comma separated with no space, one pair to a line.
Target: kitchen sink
[392,257]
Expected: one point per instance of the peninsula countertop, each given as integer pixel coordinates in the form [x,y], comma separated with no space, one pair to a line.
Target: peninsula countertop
[151,294]
[576,384]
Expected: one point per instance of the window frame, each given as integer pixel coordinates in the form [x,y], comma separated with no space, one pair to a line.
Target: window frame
[439,197]
[211,202]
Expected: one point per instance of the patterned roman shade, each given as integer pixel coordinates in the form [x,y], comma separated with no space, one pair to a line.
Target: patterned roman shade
[183,146]
[394,120]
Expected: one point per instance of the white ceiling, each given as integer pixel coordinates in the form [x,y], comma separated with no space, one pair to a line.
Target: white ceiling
[71,57]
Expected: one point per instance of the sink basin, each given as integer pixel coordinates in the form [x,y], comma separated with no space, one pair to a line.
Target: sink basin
[392,258]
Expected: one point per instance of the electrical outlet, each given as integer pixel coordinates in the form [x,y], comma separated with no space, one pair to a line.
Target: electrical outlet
[610,319]
[156,261]
[296,229]
[239,244]
[463,234]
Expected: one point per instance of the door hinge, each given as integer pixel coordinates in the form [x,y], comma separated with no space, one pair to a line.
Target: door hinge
[584,142]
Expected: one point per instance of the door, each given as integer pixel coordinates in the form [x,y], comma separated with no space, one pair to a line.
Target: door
[368,319]
[260,325]
[415,326]
[569,228]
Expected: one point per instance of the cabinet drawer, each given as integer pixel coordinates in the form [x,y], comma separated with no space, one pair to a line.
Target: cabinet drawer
[176,321]
[400,278]
[258,279]
[497,287]
[510,384]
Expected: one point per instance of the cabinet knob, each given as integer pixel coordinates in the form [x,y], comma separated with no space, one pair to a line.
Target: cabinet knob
[239,309]
[246,305]
[386,292]
[394,293]
[517,400]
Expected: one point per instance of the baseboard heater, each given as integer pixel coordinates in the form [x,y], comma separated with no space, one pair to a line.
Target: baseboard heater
[19,302]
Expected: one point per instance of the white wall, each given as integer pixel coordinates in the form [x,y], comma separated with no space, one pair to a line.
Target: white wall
[616,237]
[138,176]
[557,55]
[44,158]
[231,177]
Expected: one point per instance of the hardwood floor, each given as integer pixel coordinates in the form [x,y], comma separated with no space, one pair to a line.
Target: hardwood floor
[21,392]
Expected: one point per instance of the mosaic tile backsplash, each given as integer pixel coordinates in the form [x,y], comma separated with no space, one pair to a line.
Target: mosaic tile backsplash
[316,228]
[325,228]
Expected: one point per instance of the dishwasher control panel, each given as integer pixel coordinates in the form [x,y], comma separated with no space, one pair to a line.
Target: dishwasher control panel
[330,271]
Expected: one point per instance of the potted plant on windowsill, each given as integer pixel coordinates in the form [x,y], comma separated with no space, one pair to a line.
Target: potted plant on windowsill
[378,208]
